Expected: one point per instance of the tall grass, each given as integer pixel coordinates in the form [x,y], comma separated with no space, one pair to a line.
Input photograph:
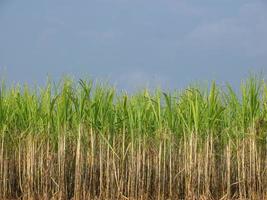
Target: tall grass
[87,141]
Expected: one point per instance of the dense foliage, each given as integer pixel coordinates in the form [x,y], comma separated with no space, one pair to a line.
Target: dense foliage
[78,139]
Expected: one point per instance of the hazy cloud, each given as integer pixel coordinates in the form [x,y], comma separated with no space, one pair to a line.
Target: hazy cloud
[134,43]
[245,33]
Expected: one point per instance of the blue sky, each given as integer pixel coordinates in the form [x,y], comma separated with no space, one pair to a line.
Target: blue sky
[133,43]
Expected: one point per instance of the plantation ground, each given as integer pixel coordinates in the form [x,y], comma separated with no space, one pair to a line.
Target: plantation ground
[87,141]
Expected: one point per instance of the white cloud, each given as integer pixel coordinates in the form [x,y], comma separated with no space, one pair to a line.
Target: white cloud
[139,79]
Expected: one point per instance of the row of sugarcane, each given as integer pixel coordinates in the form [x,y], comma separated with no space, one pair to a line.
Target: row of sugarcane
[86,141]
